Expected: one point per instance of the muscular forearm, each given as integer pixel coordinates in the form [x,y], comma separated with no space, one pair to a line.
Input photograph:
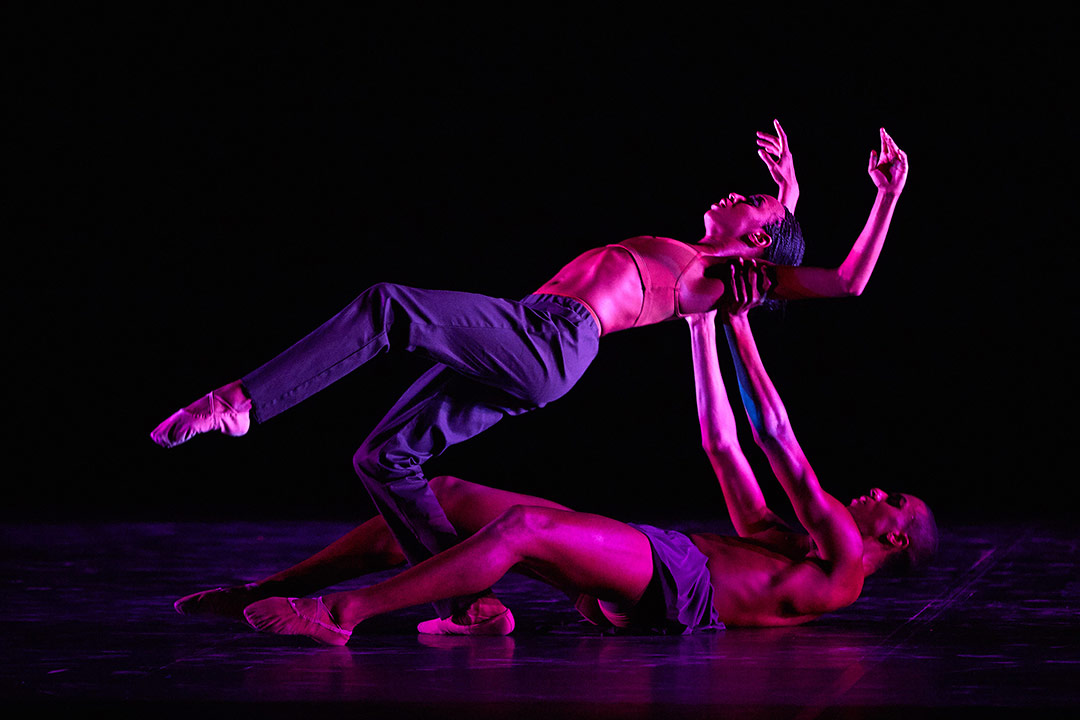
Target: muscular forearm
[851,277]
[789,196]
[772,431]
[767,414]
[742,495]
[715,417]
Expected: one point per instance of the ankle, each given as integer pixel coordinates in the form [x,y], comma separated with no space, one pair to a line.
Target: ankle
[344,610]
[236,395]
[484,607]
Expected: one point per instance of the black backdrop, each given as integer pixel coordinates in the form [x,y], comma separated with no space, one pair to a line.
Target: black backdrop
[195,192]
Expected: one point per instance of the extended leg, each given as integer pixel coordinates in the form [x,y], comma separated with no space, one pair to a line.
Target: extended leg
[590,553]
[367,548]
[490,340]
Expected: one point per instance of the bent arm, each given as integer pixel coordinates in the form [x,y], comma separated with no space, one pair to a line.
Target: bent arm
[775,152]
[888,170]
[719,435]
[851,277]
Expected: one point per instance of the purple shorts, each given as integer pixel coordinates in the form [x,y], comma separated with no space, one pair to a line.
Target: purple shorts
[679,598]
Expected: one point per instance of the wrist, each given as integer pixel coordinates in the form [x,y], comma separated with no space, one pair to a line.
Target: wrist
[789,196]
[737,321]
[700,320]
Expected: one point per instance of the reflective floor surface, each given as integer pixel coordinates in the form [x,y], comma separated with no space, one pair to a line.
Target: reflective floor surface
[88,622]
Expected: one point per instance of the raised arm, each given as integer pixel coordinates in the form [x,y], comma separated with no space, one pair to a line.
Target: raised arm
[719,437]
[888,169]
[775,152]
[824,517]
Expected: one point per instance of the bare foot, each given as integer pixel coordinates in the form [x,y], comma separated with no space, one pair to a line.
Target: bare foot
[227,410]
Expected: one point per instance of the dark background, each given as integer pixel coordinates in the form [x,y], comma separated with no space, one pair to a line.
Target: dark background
[194,192]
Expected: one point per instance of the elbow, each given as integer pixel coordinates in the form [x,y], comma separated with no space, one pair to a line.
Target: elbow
[853,289]
[718,447]
[773,430]
[850,288]
[848,283]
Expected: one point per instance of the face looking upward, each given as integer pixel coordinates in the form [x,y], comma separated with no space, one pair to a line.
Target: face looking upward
[883,515]
[740,219]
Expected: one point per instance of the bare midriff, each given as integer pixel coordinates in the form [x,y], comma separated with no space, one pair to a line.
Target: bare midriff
[606,281]
[642,281]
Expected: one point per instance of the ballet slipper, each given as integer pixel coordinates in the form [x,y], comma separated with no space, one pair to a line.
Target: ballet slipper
[222,602]
[226,410]
[297,616]
[589,607]
[500,624]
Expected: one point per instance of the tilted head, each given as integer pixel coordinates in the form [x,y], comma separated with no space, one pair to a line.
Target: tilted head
[735,225]
[899,532]
[757,226]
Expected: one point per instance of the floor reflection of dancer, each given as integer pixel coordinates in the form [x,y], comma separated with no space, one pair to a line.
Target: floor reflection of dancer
[498,357]
[631,576]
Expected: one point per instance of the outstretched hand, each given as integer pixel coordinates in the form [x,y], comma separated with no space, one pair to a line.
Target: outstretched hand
[889,167]
[749,287]
[775,152]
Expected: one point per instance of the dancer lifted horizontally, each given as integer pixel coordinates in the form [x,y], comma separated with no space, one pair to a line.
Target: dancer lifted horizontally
[636,577]
[497,357]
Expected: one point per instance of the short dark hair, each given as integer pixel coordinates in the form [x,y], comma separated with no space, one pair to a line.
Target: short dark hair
[787,248]
[922,532]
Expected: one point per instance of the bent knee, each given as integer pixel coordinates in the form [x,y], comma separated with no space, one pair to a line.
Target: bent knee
[372,464]
[446,487]
[520,521]
[364,462]
[382,289]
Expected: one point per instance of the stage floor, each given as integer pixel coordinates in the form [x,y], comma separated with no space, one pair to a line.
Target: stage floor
[87,618]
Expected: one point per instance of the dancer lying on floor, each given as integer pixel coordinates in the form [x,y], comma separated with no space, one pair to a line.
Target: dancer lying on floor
[499,357]
[632,576]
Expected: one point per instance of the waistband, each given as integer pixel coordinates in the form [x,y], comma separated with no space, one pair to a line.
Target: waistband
[579,309]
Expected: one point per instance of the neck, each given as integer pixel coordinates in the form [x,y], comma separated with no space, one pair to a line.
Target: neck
[723,244]
[874,556]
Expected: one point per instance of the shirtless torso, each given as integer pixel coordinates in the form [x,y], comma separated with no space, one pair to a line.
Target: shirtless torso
[755,579]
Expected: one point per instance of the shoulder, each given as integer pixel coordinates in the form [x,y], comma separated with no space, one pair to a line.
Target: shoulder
[814,586]
[658,240]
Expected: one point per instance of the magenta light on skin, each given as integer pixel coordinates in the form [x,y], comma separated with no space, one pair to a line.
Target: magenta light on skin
[498,358]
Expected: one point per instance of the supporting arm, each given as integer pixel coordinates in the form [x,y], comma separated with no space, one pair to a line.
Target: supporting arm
[719,436]
[824,517]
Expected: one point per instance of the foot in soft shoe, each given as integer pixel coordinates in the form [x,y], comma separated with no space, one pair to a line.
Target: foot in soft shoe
[297,616]
[222,602]
[500,624]
[227,410]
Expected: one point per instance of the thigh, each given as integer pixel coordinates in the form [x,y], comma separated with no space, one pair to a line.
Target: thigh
[470,506]
[591,554]
[534,354]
